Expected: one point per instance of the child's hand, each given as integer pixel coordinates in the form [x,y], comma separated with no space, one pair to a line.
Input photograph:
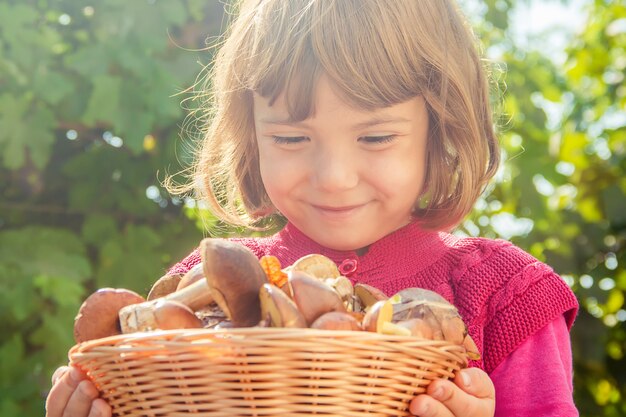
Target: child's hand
[470,394]
[73,395]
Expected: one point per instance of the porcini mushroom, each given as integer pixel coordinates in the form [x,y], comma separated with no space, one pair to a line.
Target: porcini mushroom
[135,317]
[367,295]
[165,285]
[433,310]
[312,296]
[279,309]
[235,277]
[97,316]
[377,315]
[165,315]
[343,287]
[336,320]
[194,274]
[316,265]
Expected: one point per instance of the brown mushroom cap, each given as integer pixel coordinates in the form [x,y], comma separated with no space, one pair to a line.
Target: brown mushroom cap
[434,310]
[235,277]
[312,296]
[194,274]
[170,314]
[316,265]
[279,309]
[379,313]
[165,285]
[368,295]
[336,320]
[98,315]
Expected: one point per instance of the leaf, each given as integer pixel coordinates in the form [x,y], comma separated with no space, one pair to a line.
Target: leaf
[132,261]
[13,348]
[40,135]
[90,61]
[44,251]
[52,87]
[16,22]
[104,101]
[12,111]
[25,126]
[64,291]
[98,228]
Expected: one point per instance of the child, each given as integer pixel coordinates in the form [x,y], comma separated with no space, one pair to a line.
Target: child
[366,125]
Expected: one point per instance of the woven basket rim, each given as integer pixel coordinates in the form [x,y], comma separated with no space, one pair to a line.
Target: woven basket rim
[256,332]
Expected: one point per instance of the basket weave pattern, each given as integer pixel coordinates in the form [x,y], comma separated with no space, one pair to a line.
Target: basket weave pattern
[264,372]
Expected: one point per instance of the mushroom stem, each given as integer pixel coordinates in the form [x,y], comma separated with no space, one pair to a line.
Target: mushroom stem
[195,296]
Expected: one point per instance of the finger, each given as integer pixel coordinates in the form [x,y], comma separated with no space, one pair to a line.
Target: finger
[100,408]
[61,391]
[58,373]
[459,402]
[81,400]
[475,382]
[426,406]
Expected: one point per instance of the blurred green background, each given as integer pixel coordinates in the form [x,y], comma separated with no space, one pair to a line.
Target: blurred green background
[93,98]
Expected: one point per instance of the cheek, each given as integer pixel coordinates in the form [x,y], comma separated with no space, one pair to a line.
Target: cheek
[277,173]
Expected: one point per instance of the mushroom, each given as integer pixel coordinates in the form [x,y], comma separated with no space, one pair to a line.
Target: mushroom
[279,309]
[235,277]
[379,313]
[194,274]
[139,317]
[433,310]
[97,316]
[316,265]
[367,295]
[336,320]
[312,296]
[165,285]
[418,328]
[343,287]
[164,314]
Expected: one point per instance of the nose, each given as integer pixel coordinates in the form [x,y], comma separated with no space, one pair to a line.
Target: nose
[335,170]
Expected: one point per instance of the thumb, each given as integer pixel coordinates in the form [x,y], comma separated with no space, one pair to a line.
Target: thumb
[476,382]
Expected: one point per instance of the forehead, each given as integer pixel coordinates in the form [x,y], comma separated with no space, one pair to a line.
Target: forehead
[331,108]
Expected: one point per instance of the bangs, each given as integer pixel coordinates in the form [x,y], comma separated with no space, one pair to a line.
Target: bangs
[361,45]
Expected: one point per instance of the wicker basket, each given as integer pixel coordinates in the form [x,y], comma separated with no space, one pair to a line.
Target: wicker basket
[264,372]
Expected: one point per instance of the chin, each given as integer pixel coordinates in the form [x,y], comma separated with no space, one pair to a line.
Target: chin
[343,246]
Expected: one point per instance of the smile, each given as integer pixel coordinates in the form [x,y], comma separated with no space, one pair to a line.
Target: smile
[337,211]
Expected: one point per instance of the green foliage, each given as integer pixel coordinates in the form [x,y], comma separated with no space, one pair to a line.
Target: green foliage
[90,120]
[565,159]
[89,123]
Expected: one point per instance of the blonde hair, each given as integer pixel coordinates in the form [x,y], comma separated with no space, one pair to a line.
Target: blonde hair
[377,53]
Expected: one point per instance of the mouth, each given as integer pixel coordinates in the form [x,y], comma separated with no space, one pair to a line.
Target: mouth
[337,211]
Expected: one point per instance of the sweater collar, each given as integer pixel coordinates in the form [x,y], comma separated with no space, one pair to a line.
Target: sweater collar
[409,244]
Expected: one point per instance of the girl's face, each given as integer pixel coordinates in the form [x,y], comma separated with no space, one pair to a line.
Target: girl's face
[344,177]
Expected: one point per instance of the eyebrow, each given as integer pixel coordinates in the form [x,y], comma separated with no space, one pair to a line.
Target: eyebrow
[375,121]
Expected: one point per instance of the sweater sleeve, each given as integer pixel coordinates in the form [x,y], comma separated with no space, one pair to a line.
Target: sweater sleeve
[539,369]
[506,295]
[194,257]
[184,265]
[531,299]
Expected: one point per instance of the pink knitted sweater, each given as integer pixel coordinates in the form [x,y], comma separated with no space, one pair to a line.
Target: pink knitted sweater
[503,294]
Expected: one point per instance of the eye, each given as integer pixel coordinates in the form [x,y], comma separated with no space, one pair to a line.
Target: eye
[377,139]
[288,140]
